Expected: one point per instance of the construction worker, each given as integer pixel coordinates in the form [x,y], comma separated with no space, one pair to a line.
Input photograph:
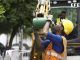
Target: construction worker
[61,16]
[55,44]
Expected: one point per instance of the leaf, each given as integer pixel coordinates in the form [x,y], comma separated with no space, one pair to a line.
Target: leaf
[2,9]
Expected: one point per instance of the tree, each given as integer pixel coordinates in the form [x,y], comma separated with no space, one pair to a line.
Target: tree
[17,13]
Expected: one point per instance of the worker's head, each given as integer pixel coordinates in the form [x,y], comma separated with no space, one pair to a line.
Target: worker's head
[63,14]
[66,27]
[57,29]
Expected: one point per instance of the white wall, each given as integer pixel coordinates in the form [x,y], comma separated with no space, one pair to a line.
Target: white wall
[16,39]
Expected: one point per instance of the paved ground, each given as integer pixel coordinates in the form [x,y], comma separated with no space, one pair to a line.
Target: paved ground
[73,58]
[27,58]
[13,58]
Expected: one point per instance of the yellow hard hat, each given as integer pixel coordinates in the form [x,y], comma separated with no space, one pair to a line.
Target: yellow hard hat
[68,26]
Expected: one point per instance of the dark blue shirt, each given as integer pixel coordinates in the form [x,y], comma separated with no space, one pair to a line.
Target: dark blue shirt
[57,42]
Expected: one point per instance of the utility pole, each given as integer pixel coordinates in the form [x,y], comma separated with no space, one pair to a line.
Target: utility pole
[78,18]
[21,43]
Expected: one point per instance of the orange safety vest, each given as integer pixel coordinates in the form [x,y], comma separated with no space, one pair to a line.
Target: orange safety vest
[50,54]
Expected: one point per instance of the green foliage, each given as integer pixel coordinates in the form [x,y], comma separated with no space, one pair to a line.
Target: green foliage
[13,12]
[2,9]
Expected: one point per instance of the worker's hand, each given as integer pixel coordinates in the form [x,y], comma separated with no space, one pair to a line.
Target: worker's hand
[49,17]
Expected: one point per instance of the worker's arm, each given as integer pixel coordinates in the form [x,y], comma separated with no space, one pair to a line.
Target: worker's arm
[54,38]
[46,28]
[45,43]
[57,41]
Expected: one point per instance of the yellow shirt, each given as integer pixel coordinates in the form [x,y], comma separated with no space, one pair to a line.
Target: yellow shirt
[58,21]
